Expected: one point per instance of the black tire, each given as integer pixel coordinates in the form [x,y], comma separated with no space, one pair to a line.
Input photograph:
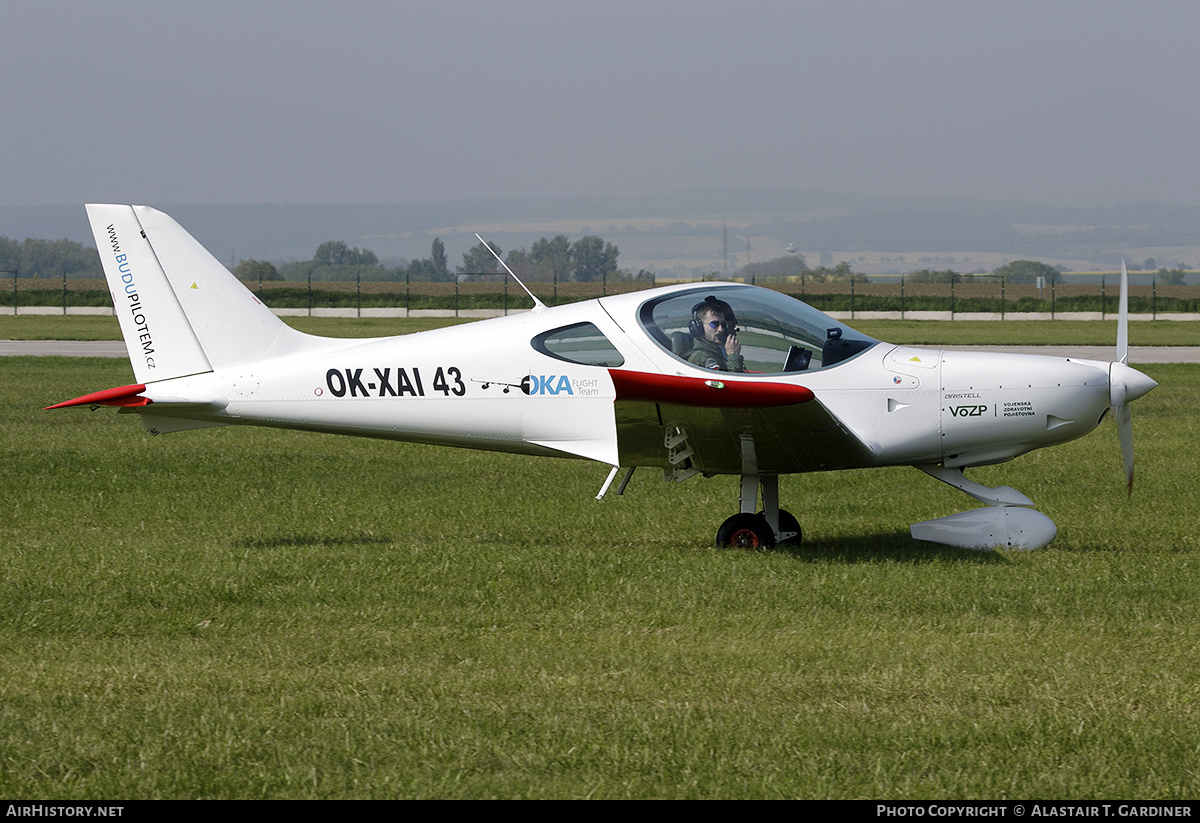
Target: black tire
[788,523]
[745,531]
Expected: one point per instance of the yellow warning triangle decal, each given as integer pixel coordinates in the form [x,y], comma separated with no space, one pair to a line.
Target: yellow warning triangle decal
[913,359]
[194,286]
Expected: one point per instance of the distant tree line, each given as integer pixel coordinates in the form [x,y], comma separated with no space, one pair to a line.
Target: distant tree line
[1165,276]
[49,258]
[1018,271]
[332,262]
[793,268]
[587,259]
[558,258]
[789,265]
[1170,277]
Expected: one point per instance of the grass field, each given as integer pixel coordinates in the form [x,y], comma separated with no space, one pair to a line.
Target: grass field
[247,613]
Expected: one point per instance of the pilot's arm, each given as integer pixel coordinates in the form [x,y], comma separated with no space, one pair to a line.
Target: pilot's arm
[733,354]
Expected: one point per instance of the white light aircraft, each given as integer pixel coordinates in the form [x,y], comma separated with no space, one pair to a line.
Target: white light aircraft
[626,380]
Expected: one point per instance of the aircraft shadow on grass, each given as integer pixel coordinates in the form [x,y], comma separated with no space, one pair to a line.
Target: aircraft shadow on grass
[286,541]
[893,546]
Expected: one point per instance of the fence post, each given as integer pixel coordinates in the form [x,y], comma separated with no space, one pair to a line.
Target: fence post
[851,295]
[358,290]
[310,292]
[506,296]
[13,272]
[555,298]
[64,272]
[1102,296]
[951,295]
[1052,284]
[1153,297]
[902,297]
[456,297]
[1002,298]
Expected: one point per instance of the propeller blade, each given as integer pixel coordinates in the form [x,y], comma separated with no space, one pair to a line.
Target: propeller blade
[1123,317]
[1125,434]
[1125,384]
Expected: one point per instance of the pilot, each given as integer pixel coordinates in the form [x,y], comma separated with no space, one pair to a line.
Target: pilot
[716,345]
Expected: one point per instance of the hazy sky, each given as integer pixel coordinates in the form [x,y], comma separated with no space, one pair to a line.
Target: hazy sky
[1072,101]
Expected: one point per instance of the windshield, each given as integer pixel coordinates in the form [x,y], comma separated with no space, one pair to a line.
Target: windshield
[777,334]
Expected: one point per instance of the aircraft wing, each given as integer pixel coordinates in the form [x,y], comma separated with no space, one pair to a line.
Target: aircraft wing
[789,430]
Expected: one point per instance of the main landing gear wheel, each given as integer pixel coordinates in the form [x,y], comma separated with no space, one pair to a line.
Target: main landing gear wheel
[788,523]
[745,531]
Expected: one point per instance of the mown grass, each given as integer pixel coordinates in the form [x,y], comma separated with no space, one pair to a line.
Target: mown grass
[913,332]
[247,613]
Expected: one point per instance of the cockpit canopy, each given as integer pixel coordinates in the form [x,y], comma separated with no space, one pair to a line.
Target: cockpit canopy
[779,334]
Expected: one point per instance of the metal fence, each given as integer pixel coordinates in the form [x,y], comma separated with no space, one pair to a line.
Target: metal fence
[1093,293]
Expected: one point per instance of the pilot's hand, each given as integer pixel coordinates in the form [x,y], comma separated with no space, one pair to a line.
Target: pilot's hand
[732,346]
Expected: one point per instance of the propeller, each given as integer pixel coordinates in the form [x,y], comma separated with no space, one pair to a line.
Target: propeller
[1125,384]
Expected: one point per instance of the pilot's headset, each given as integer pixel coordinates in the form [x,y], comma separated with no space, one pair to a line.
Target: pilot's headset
[710,303]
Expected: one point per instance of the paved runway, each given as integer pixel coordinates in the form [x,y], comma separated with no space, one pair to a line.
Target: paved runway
[1137,354]
[62,348]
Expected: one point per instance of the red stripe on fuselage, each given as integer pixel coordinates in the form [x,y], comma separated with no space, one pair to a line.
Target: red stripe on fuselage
[717,390]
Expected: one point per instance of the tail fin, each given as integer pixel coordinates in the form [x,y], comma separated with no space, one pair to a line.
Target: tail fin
[181,311]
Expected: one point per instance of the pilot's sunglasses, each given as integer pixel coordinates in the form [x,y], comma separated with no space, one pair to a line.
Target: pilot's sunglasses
[717,324]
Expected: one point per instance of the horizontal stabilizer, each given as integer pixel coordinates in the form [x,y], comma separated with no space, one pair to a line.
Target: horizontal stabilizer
[138,395]
[120,396]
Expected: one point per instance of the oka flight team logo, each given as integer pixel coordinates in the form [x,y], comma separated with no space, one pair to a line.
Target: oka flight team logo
[546,384]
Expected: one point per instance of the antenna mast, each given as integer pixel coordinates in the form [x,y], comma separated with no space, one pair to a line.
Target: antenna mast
[538,305]
[725,251]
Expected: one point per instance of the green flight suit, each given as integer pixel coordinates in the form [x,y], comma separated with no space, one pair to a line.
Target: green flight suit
[711,356]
